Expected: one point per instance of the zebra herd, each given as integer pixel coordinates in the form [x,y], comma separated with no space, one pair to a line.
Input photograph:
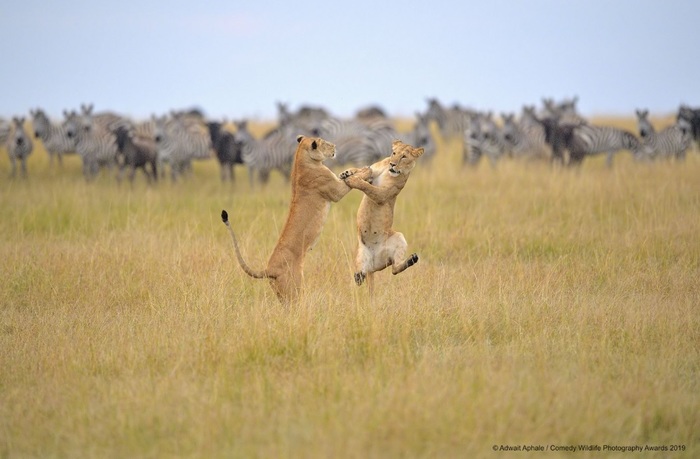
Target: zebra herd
[555,132]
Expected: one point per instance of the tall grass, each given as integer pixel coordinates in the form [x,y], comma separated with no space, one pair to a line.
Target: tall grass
[548,307]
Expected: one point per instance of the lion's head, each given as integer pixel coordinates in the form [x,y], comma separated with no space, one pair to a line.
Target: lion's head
[316,148]
[403,158]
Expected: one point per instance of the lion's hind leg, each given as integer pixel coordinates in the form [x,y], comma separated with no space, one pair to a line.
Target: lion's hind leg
[397,246]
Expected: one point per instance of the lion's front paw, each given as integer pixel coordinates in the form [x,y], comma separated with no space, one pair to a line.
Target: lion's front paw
[359,278]
[412,260]
[345,174]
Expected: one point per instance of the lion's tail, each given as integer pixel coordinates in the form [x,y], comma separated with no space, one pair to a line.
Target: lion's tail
[248,270]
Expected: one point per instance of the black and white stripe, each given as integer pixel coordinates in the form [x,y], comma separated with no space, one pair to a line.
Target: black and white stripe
[671,142]
[180,140]
[275,151]
[524,139]
[589,140]
[19,145]
[691,117]
[54,136]
[482,138]
[358,142]
[94,141]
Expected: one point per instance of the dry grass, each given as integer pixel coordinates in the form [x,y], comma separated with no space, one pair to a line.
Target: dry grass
[548,307]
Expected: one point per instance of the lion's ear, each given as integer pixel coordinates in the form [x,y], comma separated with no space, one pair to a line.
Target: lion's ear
[300,138]
[418,152]
[314,145]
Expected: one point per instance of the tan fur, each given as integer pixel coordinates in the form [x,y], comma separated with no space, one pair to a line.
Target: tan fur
[379,245]
[314,187]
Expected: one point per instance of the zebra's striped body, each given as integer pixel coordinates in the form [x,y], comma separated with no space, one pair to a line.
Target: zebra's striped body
[53,136]
[4,131]
[483,137]
[589,140]
[691,117]
[181,140]
[19,145]
[450,121]
[275,151]
[94,142]
[671,142]
[524,139]
[358,143]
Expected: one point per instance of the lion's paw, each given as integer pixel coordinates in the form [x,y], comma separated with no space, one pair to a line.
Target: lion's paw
[412,260]
[360,278]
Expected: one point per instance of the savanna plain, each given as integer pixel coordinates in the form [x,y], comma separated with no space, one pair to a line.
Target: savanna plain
[549,307]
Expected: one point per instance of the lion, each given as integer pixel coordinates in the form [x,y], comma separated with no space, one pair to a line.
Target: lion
[380,246]
[314,187]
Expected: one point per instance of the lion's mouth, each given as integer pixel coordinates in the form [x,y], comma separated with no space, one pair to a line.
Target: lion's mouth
[393,171]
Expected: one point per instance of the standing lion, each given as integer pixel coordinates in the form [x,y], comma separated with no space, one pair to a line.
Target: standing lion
[379,245]
[314,187]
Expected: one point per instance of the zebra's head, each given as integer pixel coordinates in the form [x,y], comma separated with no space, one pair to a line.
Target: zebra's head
[242,136]
[644,125]
[159,127]
[71,124]
[20,135]
[40,123]
[509,129]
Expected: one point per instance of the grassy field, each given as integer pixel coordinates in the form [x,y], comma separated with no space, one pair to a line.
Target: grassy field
[549,307]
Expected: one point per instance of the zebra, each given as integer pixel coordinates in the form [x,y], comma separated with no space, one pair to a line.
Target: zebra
[691,116]
[524,138]
[274,151]
[451,121]
[306,118]
[673,141]
[53,136]
[482,137]
[588,140]
[358,143]
[371,112]
[19,145]
[95,143]
[564,111]
[180,139]
[4,131]
[135,151]
[228,151]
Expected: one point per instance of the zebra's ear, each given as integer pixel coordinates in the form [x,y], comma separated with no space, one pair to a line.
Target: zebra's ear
[314,145]
[300,138]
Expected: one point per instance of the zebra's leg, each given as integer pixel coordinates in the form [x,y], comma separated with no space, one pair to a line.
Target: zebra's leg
[251,177]
[23,162]
[264,176]
[609,159]
[13,171]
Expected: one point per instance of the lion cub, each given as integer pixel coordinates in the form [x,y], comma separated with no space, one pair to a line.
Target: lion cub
[314,187]
[379,246]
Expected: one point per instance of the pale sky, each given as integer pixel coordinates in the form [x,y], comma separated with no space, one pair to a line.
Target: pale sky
[239,58]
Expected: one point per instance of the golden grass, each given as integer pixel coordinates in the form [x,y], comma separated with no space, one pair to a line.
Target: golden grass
[549,307]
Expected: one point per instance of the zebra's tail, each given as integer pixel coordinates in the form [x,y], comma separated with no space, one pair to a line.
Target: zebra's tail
[248,270]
